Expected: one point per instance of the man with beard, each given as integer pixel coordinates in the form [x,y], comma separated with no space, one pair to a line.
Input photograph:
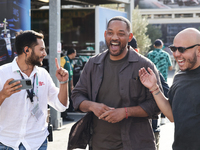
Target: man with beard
[23,113]
[109,87]
[183,106]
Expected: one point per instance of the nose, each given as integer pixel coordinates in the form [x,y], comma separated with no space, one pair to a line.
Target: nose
[114,37]
[44,53]
[176,53]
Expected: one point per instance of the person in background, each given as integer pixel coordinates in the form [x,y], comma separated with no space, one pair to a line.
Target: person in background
[183,104]
[66,62]
[162,61]
[133,44]
[23,113]
[110,89]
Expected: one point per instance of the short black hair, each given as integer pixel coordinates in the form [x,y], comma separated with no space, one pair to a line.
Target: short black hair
[158,42]
[26,38]
[70,51]
[120,18]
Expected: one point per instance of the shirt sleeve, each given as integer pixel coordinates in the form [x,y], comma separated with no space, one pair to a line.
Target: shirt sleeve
[53,100]
[169,60]
[149,105]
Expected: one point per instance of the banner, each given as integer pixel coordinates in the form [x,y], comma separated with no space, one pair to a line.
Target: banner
[166,4]
[14,16]
[104,15]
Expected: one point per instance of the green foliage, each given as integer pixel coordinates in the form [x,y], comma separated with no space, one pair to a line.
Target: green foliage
[139,29]
[154,33]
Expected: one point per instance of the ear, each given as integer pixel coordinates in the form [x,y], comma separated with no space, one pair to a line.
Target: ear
[198,51]
[105,34]
[25,49]
[130,37]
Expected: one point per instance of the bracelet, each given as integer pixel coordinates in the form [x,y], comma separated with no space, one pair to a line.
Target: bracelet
[154,90]
[63,82]
[126,112]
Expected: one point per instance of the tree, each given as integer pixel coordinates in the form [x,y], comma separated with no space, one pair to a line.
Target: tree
[154,33]
[139,30]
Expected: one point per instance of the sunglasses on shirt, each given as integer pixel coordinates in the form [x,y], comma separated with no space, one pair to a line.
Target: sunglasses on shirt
[181,49]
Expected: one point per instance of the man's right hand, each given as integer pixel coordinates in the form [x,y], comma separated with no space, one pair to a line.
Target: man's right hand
[9,89]
[99,108]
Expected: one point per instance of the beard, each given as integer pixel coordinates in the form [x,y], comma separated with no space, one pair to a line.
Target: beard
[122,48]
[192,62]
[34,60]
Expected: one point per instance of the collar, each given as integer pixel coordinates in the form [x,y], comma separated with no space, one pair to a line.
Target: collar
[157,49]
[16,68]
[133,56]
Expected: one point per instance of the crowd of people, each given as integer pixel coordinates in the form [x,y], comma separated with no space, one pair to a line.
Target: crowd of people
[121,91]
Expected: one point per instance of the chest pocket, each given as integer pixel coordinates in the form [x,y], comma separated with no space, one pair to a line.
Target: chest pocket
[135,87]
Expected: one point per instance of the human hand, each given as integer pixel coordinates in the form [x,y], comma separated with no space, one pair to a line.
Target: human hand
[147,79]
[100,108]
[61,73]
[114,115]
[9,89]
[72,87]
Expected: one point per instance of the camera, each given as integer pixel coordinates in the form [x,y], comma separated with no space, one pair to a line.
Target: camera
[28,82]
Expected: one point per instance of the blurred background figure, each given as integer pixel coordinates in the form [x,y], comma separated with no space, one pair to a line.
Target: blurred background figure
[133,44]
[66,62]
[162,60]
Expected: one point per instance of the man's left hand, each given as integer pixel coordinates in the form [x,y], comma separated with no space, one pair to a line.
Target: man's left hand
[61,73]
[114,115]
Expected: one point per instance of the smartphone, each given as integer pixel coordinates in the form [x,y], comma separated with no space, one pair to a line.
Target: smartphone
[26,84]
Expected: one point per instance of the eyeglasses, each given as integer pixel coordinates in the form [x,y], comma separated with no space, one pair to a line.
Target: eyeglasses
[181,49]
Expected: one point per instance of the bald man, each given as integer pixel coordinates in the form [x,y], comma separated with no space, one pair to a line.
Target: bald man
[183,106]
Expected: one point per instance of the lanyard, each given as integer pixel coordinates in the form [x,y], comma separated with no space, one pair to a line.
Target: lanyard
[31,93]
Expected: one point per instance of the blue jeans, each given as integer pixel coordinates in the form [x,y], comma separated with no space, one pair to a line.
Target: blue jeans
[21,147]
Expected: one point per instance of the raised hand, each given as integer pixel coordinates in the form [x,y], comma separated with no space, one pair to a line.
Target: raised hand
[147,79]
[61,73]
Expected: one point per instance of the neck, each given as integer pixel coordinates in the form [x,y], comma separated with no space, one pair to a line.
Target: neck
[70,57]
[119,57]
[24,67]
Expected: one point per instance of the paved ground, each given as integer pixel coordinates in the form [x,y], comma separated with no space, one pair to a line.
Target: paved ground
[60,136]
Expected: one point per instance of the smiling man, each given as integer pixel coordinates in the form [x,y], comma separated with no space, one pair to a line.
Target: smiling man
[183,106]
[23,113]
[109,87]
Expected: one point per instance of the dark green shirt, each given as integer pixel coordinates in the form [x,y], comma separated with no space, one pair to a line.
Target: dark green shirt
[65,63]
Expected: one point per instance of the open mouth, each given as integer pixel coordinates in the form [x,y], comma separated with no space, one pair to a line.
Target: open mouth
[180,62]
[114,44]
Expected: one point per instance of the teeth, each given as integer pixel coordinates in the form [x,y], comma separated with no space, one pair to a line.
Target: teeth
[180,60]
[115,43]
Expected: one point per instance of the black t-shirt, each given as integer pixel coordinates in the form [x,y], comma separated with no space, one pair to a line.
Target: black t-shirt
[184,97]
[107,136]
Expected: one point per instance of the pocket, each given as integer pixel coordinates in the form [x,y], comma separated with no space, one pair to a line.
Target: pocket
[135,87]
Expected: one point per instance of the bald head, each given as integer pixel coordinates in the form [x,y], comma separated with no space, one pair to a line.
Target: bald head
[187,37]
